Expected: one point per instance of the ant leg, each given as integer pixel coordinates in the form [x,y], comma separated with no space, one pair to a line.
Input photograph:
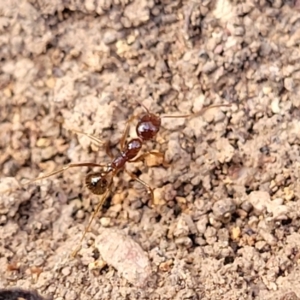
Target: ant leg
[108,150]
[66,167]
[153,152]
[125,133]
[93,138]
[147,186]
[95,213]
[96,140]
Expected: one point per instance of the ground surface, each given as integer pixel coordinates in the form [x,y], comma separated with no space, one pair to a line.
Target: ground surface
[226,219]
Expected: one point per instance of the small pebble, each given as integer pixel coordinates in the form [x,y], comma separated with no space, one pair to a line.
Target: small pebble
[235,233]
[125,255]
[109,37]
[223,209]
[275,106]
[289,84]
[105,222]
[209,67]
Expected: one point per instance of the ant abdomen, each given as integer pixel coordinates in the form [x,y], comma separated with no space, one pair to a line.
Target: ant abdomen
[148,127]
[98,183]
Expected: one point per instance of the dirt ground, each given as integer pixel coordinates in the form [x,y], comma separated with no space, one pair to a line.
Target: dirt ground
[226,215]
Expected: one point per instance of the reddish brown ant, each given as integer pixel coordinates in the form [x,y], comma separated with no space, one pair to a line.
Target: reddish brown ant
[100,183]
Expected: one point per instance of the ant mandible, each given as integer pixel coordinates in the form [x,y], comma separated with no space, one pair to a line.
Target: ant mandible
[100,183]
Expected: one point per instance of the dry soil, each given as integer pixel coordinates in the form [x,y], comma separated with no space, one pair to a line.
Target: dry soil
[226,214]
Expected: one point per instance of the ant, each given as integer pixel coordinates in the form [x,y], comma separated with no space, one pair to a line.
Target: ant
[100,183]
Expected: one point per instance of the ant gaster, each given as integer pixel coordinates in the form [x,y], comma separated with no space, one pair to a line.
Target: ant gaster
[100,183]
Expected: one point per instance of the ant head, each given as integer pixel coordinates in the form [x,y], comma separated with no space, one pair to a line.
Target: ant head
[148,126]
[99,182]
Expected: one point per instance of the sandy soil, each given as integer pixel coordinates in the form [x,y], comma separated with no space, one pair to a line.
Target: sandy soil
[225,224]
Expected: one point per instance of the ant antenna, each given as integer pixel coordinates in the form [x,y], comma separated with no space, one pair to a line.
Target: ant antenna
[143,106]
[199,113]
